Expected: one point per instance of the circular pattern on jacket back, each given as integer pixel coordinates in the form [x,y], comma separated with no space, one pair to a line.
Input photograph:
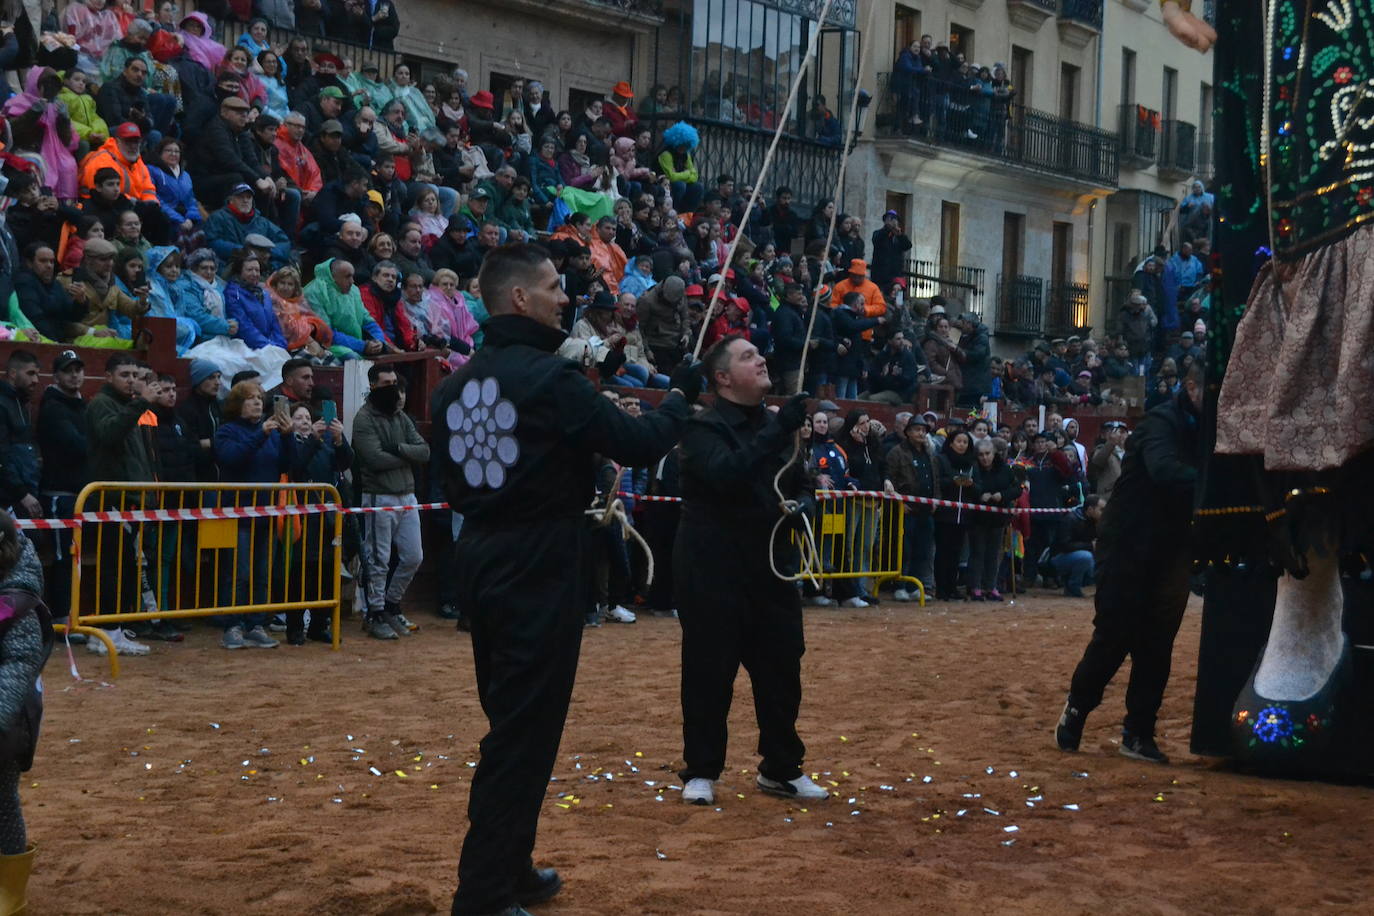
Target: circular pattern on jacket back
[481,433]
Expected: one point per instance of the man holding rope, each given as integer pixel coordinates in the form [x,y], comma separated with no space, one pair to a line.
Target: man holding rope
[521,426]
[740,612]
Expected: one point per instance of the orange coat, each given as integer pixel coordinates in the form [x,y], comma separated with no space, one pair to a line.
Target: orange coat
[874,303]
[135,182]
[610,259]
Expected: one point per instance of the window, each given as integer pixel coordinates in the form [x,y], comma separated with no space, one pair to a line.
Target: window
[1127,76]
[1022,66]
[1204,109]
[579,99]
[1068,92]
[1061,254]
[1123,251]
[961,41]
[906,28]
[1013,243]
[949,238]
[1169,104]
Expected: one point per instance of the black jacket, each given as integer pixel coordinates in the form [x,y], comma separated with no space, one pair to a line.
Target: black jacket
[977,364]
[952,466]
[547,422]
[889,256]
[223,159]
[62,440]
[822,357]
[177,449]
[200,417]
[789,336]
[48,305]
[1152,501]
[19,459]
[865,460]
[849,326]
[465,261]
[997,479]
[897,372]
[117,98]
[1076,532]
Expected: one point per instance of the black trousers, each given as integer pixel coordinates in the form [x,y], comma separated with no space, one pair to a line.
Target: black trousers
[309,576]
[1041,537]
[733,612]
[949,543]
[523,588]
[1139,605]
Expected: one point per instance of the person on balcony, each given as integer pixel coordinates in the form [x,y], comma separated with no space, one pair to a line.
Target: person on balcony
[890,247]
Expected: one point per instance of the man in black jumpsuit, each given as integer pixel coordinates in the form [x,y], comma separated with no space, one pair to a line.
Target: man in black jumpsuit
[732,608]
[520,426]
[1143,559]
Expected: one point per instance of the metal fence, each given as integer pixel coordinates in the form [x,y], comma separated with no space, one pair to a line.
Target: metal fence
[963,284]
[1020,305]
[1139,133]
[357,55]
[1178,147]
[1068,310]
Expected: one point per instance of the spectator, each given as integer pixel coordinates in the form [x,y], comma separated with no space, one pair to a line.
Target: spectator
[20,459]
[90,127]
[200,416]
[1074,542]
[677,165]
[1104,468]
[454,252]
[993,486]
[122,153]
[977,349]
[125,100]
[863,450]
[339,197]
[330,156]
[911,471]
[418,113]
[1149,281]
[195,35]
[175,194]
[227,229]
[382,299]
[37,124]
[246,301]
[334,298]
[890,247]
[62,444]
[410,256]
[224,155]
[857,281]
[168,298]
[251,449]
[388,449]
[1047,471]
[95,29]
[1138,324]
[894,375]
[106,203]
[49,305]
[306,333]
[128,234]
[108,309]
[320,454]
[850,326]
[788,328]
[955,463]
[297,162]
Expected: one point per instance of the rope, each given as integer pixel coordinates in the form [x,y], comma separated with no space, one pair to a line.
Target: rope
[763,172]
[614,512]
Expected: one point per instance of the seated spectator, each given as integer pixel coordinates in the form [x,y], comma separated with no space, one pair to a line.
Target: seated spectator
[122,153]
[677,164]
[411,256]
[345,195]
[393,194]
[348,246]
[894,375]
[108,308]
[639,276]
[90,127]
[454,251]
[36,215]
[128,234]
[306,333]
[382,299]
[296,160]
[38,125]
[224,155]
[196,35]
[86,227]
[246,301]
[50,306]
[514,214]
[95,29]
[227,229]
[124,98]
[450,318]
[175,194]
[106,203]
[607,256]
[334,298]
[131,277]
[134,44]
[418,113]
[169,297]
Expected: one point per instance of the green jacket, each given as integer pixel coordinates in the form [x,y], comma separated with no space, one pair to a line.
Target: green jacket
[117,447]
[344,312]
[87,123]
[381,471]
[515,214]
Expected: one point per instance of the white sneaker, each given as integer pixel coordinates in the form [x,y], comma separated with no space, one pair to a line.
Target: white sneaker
[699,791]
[854,602]
[901,594]
[801,787]
[970,135]
[123,644]
[619,614]
[821,601]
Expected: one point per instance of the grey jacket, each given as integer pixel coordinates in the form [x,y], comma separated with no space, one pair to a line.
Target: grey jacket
[387,449]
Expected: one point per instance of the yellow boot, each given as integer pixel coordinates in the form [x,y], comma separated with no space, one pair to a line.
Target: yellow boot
[14,881]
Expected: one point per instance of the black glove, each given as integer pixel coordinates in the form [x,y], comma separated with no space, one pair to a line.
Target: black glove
[793,413]
[612,363]
[687,379]
[458,345]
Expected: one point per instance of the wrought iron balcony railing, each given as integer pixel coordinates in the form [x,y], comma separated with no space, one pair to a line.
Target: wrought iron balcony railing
[964,285]
[1178,149]
[1020,305]
[1139,133]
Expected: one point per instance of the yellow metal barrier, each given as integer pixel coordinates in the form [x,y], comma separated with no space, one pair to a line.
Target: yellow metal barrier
[170,566]
[860,537]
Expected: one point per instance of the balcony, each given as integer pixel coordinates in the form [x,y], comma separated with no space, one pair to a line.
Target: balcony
[1031,14]
[967,119]
[1080,21]
[1178,150]
[1139,134]
[357,55]
[1206,153]
[964,285]
[1067,311]
[1020,306]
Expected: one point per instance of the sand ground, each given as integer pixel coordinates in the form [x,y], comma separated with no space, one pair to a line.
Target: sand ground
[303,781]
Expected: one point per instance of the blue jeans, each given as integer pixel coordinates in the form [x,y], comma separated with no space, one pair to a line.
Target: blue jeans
[289,212]
[686,196]
[1074,568]
[846,388]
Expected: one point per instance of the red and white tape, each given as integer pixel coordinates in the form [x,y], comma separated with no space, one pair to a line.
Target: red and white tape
[929,501]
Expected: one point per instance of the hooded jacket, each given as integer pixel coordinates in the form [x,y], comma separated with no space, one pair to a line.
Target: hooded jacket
[298,162]
[86,121]
[345,312]
[252,309]
[135,180]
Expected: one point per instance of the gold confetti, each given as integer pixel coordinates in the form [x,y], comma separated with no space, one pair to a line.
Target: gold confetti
[639,753]
[843,739]
[1159,797]
[434,785]
[403,774]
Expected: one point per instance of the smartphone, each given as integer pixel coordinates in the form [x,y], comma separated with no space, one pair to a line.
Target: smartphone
[329,411]
[281,408]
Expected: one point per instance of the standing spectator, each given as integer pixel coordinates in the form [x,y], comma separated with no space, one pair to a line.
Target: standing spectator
[857,281]
[20,460]
[890,247]
[951,524]
[993,486]
[1047,472]
[1138,323]
[977,349]
[850,326]
[1149,280]
[863,448]
[789,337]
[200,415]
[911,471]
[250,449]
[62,442]
[1104,468]
[320,454]
[388,449]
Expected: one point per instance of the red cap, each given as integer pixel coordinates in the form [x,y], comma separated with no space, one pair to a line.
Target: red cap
[482,99]
[694,290]
[324,57]
[730,273]
[128,131]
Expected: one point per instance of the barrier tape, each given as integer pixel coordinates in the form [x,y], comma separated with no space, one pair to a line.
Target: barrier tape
[235,512]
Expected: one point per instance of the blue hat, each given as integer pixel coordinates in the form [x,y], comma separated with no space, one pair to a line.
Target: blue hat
[201,369]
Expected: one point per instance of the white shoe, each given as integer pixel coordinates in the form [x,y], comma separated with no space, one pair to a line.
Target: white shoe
[801,787]
[970,135]
[821,601]
[619,614]
[854,602]
[901,594]
[123,644]
[699,791]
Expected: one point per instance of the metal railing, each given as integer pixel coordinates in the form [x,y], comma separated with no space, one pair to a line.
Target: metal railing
[964,284]
[1020,305]
[973,118]
[1139,133]
[1205,167]
[1088,12]
[1118,289]
[357,54]
[646,7]
[1049,6]
[1068,310]
[1178,148]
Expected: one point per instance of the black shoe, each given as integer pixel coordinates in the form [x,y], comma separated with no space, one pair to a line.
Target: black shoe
[593,619]
[537,886]
[1070,592]
[1068,734]
[163,630]
[320,635]
[295,639]
[464,623]
[1141,747]
[448,612]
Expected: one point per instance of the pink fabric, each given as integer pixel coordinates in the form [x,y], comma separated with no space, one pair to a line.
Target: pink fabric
[205,51]
[451,318]
[94,32]
[251,89]
[57,156]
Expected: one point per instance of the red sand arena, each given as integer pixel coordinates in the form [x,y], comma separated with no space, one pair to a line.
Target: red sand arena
[302,781]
